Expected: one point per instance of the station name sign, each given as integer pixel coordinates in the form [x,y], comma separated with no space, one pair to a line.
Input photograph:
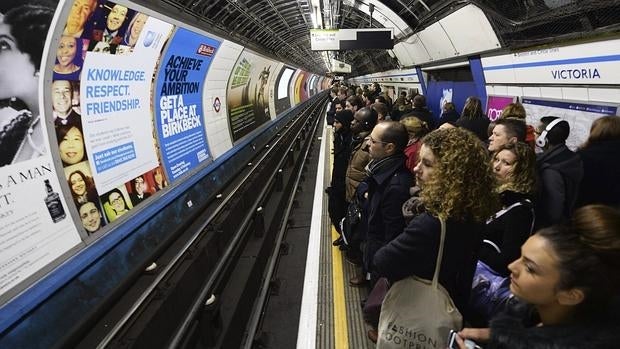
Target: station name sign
[351,39]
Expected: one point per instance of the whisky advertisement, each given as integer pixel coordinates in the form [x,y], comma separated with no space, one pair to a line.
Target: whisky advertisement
[35,225]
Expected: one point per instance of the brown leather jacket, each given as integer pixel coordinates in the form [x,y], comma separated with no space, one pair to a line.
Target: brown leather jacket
[357,164]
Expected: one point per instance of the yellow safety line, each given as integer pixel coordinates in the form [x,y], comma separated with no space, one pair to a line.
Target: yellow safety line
[341,328]
[341,332]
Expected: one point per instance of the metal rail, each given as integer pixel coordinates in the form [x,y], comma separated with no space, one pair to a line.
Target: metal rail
[142,301]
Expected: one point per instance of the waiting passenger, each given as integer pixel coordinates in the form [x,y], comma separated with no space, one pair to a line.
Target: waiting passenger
[473,118]
[388,188]
[448,114]
[514,165]
[416,129]
[363,122]
[456,181]
[382,111]
[569,276]
[560,171]
[331,108]
[354,103]
[601,169]
[421,112]
[337,203]
[517,111]
[506,131]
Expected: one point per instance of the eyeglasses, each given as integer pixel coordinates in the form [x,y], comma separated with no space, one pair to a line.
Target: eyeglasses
[374,141]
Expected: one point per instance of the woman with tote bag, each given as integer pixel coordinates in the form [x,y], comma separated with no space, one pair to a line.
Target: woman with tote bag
[431,264]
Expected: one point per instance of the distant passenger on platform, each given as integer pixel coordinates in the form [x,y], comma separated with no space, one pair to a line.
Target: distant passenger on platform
[506,131]
[567,285]
[448,114]
[601,167]
[401,106]
[367,98]
[62,104]
[388,183]
[560,171]
[416,129]
[421,112]
[456,182]
[382,111]
[473,118]
[354,103]
[337,203]
[331,108]
[342,93]
[517,111]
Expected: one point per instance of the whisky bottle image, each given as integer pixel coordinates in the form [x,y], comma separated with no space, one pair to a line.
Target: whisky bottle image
[54,205]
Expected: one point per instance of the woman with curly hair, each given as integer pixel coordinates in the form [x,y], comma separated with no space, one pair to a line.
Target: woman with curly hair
[82,187]
[514,165]
[456,182]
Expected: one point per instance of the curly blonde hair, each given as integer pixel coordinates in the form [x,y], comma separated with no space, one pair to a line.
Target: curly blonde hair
[522,178]
[462,183]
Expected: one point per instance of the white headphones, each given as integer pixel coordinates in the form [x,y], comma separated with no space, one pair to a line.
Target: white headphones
[541,141]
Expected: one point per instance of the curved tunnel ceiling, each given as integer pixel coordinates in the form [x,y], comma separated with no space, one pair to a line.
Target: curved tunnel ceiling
[281,27]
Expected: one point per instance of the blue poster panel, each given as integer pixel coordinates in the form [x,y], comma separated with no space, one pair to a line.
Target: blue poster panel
[178,101]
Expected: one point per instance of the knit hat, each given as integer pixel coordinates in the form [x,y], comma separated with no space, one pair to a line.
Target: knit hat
[344,117]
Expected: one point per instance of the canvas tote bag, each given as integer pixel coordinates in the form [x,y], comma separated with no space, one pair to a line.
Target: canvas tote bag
[418,313]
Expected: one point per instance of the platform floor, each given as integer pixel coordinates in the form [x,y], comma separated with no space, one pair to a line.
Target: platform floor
[338,322]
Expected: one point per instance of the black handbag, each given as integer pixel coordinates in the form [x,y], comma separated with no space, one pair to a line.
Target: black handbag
[350,222]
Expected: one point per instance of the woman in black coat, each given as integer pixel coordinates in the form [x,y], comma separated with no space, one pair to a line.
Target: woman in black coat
[455,182]
[601,169]
[514,165]
[569,275]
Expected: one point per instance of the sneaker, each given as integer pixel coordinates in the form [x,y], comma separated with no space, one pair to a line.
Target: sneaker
[358,281]
[338,242]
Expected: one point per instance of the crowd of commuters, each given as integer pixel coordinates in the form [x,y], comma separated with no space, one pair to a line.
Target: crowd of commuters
[519,206]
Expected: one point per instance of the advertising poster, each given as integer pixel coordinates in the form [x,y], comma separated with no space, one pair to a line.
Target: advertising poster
[115,93]
[578,114]
[178,96]
[495,105]
[35,225]
[298,86]
[248,93]
[282,99]
[101,109]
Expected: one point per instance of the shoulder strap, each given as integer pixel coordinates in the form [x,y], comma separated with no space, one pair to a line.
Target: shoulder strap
[442,239]
[503,211]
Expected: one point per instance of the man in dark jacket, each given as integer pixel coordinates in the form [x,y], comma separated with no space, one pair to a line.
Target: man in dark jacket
[331,109]
[388,188]
[560,171]
[421,112]
[342,152]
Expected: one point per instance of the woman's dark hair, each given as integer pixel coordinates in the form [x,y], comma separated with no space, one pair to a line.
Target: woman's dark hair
[29,26]
[116,190]
[472,109]
[87,180]
[588,252]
